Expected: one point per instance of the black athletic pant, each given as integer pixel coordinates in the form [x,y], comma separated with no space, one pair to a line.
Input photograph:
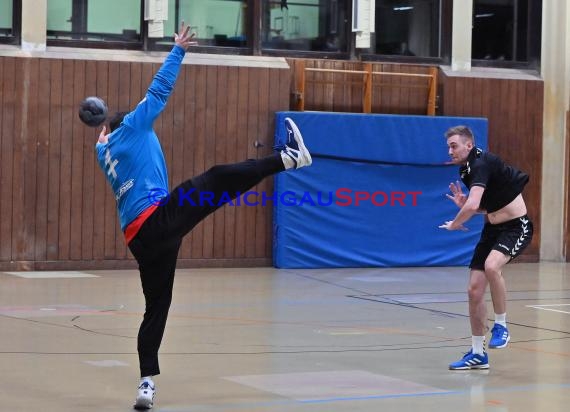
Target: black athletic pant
[156,245]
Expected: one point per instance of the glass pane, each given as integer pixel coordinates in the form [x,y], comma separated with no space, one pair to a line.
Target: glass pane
[6,12]
[125,18]
[315,25]
[408,27]
[500,30]
[59,15]
[216,22]
[221,23]
[91,20]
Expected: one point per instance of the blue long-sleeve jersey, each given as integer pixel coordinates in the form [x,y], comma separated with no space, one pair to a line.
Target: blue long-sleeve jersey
[132,159]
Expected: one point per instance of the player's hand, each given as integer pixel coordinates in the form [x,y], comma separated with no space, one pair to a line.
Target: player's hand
[457,196]
[449,226]
[103,138]
[184,38]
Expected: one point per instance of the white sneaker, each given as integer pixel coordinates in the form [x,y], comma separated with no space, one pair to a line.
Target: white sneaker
[295,155]
[145,397]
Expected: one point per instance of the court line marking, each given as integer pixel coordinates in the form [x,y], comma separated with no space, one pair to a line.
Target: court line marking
[548,307]
[51,274]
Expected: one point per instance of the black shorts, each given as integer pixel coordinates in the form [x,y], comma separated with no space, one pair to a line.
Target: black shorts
[510,238]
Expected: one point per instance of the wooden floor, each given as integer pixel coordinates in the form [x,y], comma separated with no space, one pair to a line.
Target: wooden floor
[283,340]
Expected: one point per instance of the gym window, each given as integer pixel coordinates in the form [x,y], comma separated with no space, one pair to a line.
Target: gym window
[412,31]
[221,26]
[506,33]
[94,23]
[305,25]
[10,11]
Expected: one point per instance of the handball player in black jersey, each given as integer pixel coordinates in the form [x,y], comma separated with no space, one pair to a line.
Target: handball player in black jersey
[495,189]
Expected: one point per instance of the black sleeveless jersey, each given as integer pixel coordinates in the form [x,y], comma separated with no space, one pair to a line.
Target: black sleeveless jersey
[502,183]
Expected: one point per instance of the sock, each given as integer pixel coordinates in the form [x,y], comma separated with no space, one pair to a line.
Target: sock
[501,319]
[478,344]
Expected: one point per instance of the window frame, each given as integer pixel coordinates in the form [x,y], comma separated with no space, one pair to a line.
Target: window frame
[120,44]
[15,38]
[253,46]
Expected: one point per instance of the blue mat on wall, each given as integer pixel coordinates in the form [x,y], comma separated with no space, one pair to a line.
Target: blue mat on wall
[400,164]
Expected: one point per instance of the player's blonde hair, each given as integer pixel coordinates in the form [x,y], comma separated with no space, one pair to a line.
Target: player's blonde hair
[462,131]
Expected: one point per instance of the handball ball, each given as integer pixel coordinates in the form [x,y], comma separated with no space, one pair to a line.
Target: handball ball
[93,111]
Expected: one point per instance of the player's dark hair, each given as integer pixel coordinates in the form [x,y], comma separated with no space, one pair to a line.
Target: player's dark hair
[116,120]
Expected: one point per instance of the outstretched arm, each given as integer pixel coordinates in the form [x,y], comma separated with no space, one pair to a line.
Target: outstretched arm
[163,82]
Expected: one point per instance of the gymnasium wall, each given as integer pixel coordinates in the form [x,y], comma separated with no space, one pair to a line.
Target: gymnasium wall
[57,212]
[514,106]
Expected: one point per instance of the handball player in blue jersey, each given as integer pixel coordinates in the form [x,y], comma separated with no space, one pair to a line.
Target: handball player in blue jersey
[133,162]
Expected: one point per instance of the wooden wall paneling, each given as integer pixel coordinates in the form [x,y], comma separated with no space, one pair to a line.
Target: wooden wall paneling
[210,152]
[309,85]
[263,131]
[486,98]
[534,113]
[18,166]
[54,159]
[42,177]
[297,94]
[494,113]
[382,88]
[566,188]
[477,97]
[523,159]
[252,132]
[77,169]
[415,92]
[88,137]
[468,93]
[403,91]
[199,132]
[329,86]
[230,120]
[338,89]
[28,138]
[459,98]
[242,154]
[214,117]
[100,187]
[394,89]
[277,96]
[7,85]
[320,85]
[515,120]
[67,103]
[188,140]
[221,134]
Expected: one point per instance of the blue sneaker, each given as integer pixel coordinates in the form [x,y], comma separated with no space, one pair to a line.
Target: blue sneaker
[499,337]
[294,154]
[471,361]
